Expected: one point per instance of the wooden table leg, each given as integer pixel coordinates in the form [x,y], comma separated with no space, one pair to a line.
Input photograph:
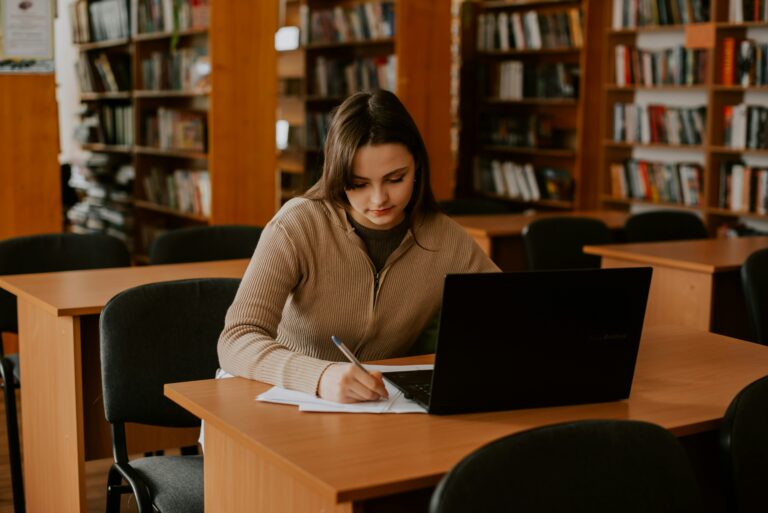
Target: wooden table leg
[51,395]
[677,297]
[239,480]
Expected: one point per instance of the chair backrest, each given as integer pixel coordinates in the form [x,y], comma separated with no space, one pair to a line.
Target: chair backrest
[156,334]
[51,253]
[744,449]
[204,243]
[754,281]
[557,242]
[664,225]
[586,466]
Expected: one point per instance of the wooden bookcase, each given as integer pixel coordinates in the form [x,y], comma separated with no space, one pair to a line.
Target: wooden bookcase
[512,115]
[708,36]
[420,47]
[30,179]
[232,112]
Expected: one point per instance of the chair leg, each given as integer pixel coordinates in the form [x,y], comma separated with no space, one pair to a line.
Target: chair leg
[12,430]
[115,489]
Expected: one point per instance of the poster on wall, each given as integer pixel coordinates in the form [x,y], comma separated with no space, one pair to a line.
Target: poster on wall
[26,35]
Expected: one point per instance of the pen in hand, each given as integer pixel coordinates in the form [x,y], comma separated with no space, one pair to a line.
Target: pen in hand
[349,355]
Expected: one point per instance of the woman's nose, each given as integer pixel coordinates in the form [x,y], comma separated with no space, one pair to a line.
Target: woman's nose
[379,194]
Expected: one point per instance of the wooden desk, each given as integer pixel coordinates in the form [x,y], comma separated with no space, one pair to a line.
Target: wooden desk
[62,410]
[500,236]
[695,283]
[263,457]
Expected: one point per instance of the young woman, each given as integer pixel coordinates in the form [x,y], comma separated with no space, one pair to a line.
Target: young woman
[361,256]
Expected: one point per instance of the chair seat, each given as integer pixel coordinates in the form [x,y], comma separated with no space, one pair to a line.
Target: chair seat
[169,478]
[14,359]
[16,368]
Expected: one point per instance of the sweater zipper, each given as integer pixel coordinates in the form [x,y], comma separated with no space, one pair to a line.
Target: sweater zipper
[375,284]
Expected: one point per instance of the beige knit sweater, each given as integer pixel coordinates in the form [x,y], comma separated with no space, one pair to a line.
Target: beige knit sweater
[310,277]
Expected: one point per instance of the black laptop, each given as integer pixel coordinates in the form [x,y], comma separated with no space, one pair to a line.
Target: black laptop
[532,339]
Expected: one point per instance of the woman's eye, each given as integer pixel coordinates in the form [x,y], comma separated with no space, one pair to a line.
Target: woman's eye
[357,186]
[396,180]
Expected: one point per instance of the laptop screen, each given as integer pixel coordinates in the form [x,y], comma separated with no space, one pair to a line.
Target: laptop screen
[543,338]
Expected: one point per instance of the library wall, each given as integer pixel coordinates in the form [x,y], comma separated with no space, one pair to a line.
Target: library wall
[65,56]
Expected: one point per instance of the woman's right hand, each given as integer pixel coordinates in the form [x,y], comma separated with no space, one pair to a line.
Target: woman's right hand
[347,383]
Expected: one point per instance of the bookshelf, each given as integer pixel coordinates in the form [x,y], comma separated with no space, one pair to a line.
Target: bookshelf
[720,173]
[176,143]
[526,68]
[30,179]
[344,47]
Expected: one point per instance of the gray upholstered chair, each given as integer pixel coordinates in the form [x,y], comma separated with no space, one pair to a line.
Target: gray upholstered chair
[556,242]
[754,281]
[664,225]
[38,254]
[152,335]
[744,449]
[204,243]
[594,466]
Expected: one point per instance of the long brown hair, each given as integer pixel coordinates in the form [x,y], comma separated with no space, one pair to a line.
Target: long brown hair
[376,117]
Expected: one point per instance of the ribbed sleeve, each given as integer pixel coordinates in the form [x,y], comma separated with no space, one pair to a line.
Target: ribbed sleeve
[310,278]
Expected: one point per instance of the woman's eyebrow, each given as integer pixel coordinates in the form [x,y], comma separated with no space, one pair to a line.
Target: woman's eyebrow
[398,170]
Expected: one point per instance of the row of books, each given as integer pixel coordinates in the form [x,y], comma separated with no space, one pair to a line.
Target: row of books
[357,22]
[536,130]
[99,20]
[176,129]
[317,128]
[530,30]
[290,86]
[342,77]
[109,20]
[743,188]
[657,181]
[522,182]
[90,216]
[745,62]
[106,124]
[170,15]
[669,66]
[186,69]
[104,72]
[659,124]
[639,13]
[514,80]
[745,126]
[748,10]
[187,191]
[104,185]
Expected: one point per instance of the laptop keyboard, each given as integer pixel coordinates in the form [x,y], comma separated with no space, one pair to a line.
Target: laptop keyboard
[418,389]
[415,385]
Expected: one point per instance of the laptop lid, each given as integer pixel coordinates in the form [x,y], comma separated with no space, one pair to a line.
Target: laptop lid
[532,339]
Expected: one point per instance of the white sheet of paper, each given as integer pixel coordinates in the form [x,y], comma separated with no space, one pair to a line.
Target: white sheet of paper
[396,403]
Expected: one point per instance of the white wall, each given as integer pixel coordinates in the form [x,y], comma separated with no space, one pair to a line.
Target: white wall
[67,93]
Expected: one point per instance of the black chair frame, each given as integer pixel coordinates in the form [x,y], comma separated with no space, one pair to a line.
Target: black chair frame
[12,432]
[122,470]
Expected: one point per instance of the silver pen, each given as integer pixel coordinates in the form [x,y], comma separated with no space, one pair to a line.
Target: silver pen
[351,357]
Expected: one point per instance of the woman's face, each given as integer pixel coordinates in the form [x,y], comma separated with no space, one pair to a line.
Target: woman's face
[382,185]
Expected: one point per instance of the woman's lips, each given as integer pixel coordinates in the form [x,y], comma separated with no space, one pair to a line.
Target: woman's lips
[381,212]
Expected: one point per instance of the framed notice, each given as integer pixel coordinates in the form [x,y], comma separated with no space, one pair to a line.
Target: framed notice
[26,29]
